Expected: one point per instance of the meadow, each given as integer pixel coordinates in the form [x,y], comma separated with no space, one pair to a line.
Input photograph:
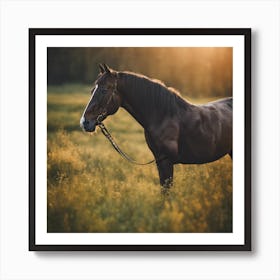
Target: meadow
[92,189]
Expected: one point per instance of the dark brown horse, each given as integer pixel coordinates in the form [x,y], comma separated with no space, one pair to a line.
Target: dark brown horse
[175,130]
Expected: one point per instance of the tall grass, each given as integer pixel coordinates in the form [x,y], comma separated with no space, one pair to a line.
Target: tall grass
[92,189]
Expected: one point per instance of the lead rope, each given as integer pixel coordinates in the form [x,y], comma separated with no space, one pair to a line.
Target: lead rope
[117,148]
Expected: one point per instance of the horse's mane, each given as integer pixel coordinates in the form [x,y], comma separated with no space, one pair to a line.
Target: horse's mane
[153,93]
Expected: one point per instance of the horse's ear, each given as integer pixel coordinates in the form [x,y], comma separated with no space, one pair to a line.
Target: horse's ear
[106,68]
[102,70]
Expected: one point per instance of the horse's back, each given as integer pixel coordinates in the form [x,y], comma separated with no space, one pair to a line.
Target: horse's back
[219,110]
[221,102]
[207,132]
[228,101]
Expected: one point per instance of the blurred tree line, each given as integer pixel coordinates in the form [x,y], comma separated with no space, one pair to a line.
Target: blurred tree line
[195,72]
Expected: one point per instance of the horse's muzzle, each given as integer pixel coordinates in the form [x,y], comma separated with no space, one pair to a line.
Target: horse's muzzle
[88,126]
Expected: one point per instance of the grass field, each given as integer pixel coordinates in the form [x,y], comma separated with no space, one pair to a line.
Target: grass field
[92,189]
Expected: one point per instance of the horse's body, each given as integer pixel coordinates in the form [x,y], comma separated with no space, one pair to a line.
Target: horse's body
[175,130]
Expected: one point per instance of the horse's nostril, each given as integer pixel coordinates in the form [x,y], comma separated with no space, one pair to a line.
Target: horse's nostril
[83,122]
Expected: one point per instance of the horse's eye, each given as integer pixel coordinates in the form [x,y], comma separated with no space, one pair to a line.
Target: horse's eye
[104,90]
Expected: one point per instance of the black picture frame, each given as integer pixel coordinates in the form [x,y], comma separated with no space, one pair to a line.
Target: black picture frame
[246,33]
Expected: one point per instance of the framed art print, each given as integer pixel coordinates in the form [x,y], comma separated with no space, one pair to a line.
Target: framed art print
[140,139]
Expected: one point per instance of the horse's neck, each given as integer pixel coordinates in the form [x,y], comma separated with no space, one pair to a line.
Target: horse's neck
[135,111]
[133,102]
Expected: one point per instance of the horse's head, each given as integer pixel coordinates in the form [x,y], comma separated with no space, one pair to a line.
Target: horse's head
[105,99]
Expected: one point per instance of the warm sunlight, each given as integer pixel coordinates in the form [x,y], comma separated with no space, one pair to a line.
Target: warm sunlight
[195,72]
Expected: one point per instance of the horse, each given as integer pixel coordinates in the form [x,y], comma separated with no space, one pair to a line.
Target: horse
[176,131]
